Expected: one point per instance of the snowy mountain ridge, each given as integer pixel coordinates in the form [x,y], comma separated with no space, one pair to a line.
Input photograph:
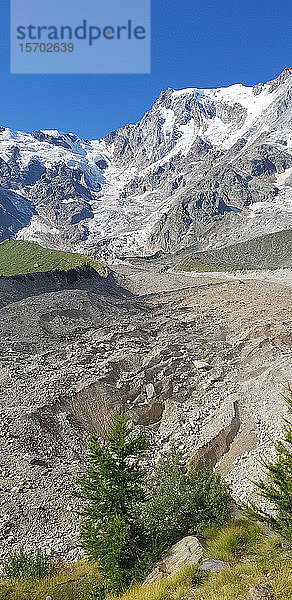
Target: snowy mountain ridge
[200,166]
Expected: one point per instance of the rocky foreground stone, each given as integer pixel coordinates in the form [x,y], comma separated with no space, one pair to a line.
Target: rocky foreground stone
[188,551]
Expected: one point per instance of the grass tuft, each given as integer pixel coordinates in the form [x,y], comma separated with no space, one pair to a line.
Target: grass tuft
[172,588]
[74,582]
[234,541]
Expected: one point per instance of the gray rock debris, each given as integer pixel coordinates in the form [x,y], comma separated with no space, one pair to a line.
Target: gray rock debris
[150,391]
[70,357]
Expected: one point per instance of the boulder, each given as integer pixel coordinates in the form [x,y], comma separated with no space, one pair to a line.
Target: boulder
[201,364]
[209,564]
[188,551]
[150,391]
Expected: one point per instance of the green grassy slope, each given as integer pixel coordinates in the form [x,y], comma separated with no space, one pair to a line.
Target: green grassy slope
[254,562]
[18,257]
[272,251]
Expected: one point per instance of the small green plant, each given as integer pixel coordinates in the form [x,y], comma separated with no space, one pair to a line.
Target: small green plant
[277,488]
[28,565]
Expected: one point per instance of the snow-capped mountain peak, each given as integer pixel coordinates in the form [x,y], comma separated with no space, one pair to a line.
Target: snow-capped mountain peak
[190,172]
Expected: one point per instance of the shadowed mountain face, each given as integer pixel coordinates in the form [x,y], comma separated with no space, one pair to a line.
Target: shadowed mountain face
[202,168]
[15,213]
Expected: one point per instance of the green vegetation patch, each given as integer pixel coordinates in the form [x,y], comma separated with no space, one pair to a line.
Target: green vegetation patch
[263,568]
[234,541]
[189,264]
[72,582]
[125,527]
[20,258]
[256,562]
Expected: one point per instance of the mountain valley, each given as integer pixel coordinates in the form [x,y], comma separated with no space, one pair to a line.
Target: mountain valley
[149,271]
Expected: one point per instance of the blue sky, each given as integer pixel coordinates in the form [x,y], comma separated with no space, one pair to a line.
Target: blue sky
[195,43]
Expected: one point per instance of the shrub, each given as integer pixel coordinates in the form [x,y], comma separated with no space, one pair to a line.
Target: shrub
[182,503]
[28,565]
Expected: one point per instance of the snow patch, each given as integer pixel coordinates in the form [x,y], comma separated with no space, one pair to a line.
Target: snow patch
[283,178]
[221,132]
[169,118]
[53,132]
[179,93]
[37,231]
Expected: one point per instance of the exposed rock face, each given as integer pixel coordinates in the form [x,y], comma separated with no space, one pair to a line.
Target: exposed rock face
[201,168]
[73,351]
[188,551]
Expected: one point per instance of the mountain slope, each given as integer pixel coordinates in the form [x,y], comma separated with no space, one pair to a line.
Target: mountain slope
[18,257]
[272,251]
[202,168]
